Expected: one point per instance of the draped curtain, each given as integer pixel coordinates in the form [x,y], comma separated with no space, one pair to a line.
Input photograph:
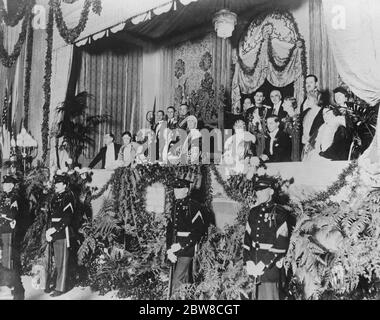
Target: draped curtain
[269,41]
[61,70]
[112,76]
[12,80]
[353,31]
[322,62]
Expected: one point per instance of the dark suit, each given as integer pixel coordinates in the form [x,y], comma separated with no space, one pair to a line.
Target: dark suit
[281,113]
[282,148]
[340,147]
[172,124]
[101,156]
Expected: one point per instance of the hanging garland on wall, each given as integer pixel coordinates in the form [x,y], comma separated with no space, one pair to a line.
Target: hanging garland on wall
[12,20]
[300,43]
[47,83]
[70,35]
[8,60]
[28,70]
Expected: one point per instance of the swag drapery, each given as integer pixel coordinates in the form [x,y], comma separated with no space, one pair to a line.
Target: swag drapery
[353,31]
[272,49]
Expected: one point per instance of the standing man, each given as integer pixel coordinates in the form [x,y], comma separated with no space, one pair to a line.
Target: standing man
[312,115]
[187,226]
[108,154]
[9,210]
[62,212]
[277,109]
[172,121]
[159,128]
[278,146]
[266,241]
[183,114]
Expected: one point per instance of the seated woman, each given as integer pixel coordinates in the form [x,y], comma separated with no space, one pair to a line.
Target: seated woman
[189,152]
[240,145]
[292,126]
[127,151]
[332,141]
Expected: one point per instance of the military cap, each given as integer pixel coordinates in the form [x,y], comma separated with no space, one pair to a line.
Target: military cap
[264,183]
[61,178]
[180,183]
[10,179]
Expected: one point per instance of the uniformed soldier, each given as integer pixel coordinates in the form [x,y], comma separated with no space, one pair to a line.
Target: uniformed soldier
[62,211]
[266,241]
[9,209]
[188,225]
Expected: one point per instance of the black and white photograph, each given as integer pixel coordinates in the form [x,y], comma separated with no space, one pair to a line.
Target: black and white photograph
[211,152]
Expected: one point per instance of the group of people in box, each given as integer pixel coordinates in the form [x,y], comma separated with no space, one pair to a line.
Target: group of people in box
[284,132]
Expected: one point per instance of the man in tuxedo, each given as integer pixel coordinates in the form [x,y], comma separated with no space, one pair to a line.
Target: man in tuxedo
[159,131]
[108,154]
[277,109]
[183,114]
[312,111]
[172,121]
[278,146]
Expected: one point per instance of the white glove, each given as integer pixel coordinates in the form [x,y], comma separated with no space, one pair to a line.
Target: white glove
[49,232]
[255,269]
[171,256]
[13,224]
[175,247]
[280,263]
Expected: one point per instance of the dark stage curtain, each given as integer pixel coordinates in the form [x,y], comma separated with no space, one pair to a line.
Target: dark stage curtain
[111,72]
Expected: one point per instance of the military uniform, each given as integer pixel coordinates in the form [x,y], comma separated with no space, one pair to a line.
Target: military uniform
[62,211]
[9,214]
[188,225]
[266,240]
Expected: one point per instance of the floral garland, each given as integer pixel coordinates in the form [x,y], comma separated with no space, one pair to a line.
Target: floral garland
[47,83]
[250,70]
[70,35]
[28,70]
[13,20]
[335,187]
[8,60]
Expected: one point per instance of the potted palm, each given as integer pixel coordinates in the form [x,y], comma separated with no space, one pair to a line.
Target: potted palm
[76,127]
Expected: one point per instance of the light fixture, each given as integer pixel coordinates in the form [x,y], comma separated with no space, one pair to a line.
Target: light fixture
[224,22]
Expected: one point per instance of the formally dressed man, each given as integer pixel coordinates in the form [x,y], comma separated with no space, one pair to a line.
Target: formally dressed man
[172,121]
[183,113]
[278,145]
[108,154]
[159,128]
[311,116]
[61,215]
[9,210]
[277,108]
[187,226]
[266,241]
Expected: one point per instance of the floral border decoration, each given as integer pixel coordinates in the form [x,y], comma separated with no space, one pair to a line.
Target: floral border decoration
[47,82]
[13,20]
[335,187]
[250,70]
[71,34]
[8,60]
[28,70]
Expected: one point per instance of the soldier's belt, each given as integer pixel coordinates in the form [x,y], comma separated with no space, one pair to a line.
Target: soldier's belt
[267,246]
[56,219]
[183,234]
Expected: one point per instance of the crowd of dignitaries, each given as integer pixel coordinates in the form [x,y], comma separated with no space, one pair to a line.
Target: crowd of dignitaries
[286,130]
